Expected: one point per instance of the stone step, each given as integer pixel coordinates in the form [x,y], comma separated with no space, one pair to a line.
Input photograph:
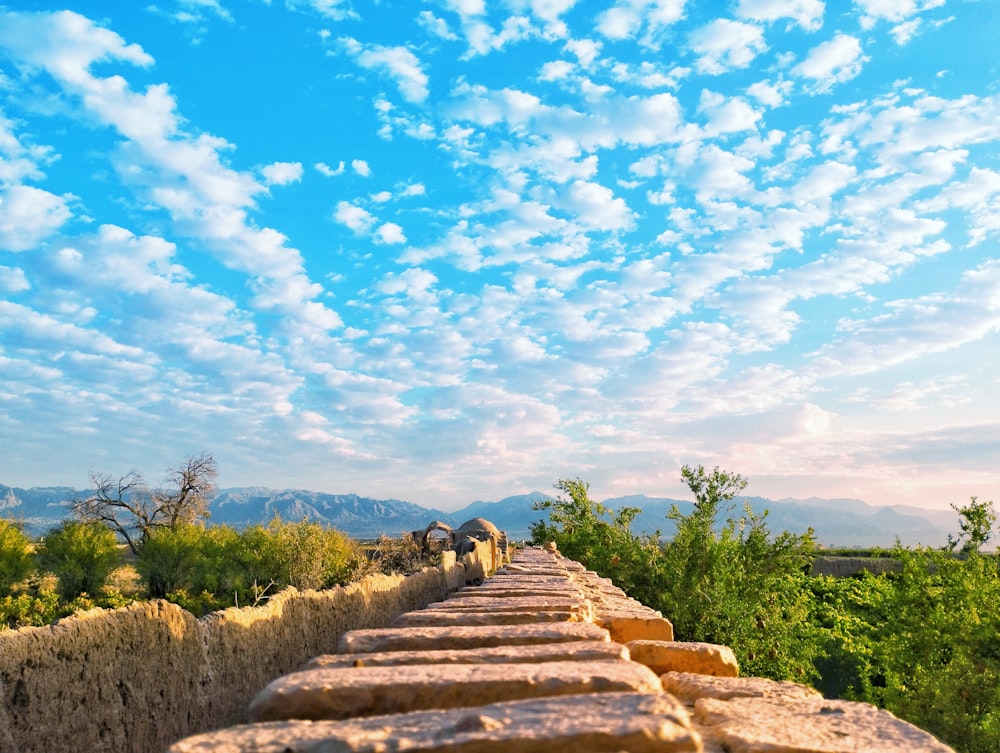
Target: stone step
[681,656]
[341,693]
[465,618]
[543,652]
[511,603]
[591,723]
[748,725]
[484,592]
[429,638]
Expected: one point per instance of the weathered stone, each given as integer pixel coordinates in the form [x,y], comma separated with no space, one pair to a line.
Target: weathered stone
[461,617]
[518,603]
[636,625]
[593,723]
[567,591]
[690,687]
[815,725]
[335,693]
[544,652]
[680,656]
[428,638]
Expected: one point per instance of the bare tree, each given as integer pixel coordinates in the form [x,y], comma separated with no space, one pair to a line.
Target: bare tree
[131,509]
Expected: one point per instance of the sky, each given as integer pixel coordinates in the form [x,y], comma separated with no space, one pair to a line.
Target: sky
[457,250]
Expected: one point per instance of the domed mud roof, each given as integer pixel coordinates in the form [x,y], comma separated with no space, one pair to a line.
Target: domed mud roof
[479,524]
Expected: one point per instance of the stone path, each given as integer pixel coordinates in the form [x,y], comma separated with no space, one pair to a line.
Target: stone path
[545,656]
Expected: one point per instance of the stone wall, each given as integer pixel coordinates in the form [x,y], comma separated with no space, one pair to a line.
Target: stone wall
[133,680]
[545,657]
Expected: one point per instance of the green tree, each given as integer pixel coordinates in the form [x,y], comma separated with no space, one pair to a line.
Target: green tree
[172,559]
[601,539]
[940,651]
[132,510]
[976,520]
[81,555]
[15,556]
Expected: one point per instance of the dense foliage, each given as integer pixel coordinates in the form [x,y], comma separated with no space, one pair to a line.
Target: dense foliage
[923,642]
[202,568]
[81,555]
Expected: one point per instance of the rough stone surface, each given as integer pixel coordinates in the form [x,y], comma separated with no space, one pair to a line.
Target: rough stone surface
[429,638]
[449,617]
[544,652]
[815,725]
[690,687]
[625,626]
[337,693]
[679,656]
[518,603]
[594,723]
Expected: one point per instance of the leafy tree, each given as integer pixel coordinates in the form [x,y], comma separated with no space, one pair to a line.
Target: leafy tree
[940,651]
[81,555]
[976,520]
[173,559]
[15,556]
[601,539]
[131,509]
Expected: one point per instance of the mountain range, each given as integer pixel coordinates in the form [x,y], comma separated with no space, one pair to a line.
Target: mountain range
[836,522]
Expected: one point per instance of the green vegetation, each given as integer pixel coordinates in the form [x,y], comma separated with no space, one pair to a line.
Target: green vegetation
[923,642]
[81,555]
[15,556]
[202,568]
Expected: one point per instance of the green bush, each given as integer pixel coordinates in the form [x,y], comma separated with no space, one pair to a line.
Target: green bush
[81,555]
[26,610]
[206,568]
[16,561]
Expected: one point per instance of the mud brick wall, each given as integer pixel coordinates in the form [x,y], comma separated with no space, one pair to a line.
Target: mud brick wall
[134,680]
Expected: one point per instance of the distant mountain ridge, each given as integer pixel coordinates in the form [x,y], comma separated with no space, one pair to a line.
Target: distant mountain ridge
[837,522]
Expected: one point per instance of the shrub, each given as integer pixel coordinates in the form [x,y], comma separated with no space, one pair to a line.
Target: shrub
[15,556]
[172,559]
[81,555]
[25,610]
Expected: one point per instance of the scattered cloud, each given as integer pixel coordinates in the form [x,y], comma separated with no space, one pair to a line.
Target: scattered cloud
[830,63]
[282,173]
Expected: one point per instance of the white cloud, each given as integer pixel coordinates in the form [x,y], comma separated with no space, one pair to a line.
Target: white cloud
[361,168]
[282,173]
[833,62]
[390,233]
[892,10]
[727,114]
[335,10]
[436,26]
[724,44]
[29,215]
[356,218]
[628,17]
[596,206]
[324,169]
[13,280]
[398,63]
[806,13]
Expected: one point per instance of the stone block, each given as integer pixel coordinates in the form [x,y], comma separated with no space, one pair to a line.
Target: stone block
[814,725]
[690,687]
[594,723]
[680,656]
[341,693]
[625,626]
[544,652]
[461,617]
[429,638]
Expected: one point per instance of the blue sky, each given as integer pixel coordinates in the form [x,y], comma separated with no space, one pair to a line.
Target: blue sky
[456,250]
